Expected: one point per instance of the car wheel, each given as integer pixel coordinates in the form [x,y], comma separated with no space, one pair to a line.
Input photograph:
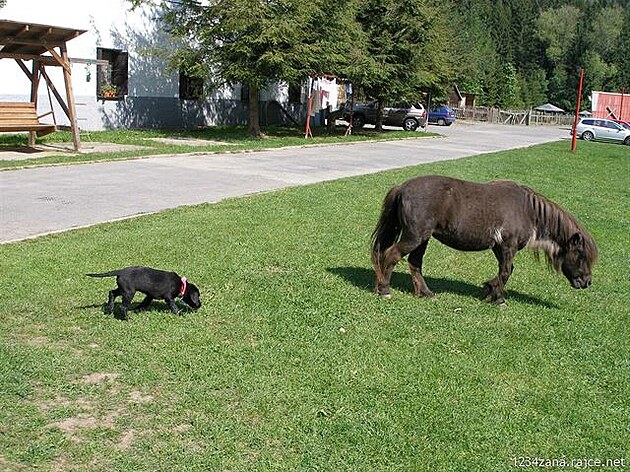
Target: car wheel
[358,121]
[627,141]
[410,124]
[587,136]
[441,121]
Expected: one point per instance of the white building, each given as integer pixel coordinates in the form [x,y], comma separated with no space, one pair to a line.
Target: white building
[120,82]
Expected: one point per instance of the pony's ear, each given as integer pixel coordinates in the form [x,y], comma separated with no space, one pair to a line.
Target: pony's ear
[576,240]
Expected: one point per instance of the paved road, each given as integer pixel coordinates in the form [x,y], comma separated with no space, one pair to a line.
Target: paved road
[34,202]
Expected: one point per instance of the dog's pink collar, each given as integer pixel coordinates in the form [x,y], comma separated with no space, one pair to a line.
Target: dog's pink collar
[182,290]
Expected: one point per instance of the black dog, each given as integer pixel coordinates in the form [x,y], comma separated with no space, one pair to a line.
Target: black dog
[154,284]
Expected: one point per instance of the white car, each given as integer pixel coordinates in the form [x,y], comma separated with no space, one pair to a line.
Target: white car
[603,130]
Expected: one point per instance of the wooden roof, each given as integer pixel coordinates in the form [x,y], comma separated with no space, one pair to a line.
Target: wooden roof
[31,39]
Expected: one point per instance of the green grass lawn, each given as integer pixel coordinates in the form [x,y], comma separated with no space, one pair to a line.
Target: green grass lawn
[293,364]
[220,139]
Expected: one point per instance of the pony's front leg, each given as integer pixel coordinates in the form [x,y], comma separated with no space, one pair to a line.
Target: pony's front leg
[493,290]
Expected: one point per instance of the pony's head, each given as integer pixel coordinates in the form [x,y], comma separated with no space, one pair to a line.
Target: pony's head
[575,260]
[568,247]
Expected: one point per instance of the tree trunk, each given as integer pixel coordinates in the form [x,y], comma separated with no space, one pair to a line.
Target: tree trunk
[253,121]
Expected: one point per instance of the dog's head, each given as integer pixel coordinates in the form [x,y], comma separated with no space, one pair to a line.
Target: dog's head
[191,297]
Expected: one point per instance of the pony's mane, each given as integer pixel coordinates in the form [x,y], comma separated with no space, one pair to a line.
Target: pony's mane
[554,227]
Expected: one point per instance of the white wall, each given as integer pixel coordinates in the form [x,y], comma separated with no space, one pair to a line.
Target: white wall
[109,24]
[152,91]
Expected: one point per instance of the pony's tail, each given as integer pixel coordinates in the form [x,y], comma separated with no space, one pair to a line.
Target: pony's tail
[387,229]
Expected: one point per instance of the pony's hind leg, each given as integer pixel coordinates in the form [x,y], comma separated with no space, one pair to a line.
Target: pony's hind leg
[391,257]
[420,288]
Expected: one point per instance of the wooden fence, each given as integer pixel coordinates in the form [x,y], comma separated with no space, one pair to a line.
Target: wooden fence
[520,117]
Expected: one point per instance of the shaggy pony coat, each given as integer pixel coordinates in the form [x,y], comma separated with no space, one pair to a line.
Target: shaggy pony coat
[502,216]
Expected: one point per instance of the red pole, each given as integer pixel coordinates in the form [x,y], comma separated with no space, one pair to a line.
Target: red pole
[577,112]
[621,114]
[309,107]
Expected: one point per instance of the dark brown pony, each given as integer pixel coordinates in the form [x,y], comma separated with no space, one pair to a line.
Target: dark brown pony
[501,215]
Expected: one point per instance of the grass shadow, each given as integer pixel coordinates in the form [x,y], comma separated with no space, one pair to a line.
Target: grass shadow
[364,278]
[156,305]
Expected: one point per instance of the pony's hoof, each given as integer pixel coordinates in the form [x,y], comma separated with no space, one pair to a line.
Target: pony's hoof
[386,296]
[502,305]
[430,295]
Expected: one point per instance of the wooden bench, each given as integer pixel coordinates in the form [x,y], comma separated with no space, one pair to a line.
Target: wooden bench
[22,116]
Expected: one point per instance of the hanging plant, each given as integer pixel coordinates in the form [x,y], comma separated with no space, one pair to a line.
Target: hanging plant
[109,91]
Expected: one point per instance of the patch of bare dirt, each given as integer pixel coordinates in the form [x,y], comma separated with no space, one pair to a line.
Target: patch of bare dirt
[74,427]
[126,440]
[8,466]
[137,397]
[88,415]
[99,377]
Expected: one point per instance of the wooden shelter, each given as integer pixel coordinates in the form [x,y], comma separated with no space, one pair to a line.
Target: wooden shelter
[45,46]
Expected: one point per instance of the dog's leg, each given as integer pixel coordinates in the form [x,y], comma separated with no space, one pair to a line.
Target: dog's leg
[110,302]
[126,300]
[171,304]
[144,304]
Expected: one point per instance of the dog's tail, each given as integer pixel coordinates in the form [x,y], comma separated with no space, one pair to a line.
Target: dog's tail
[112,273]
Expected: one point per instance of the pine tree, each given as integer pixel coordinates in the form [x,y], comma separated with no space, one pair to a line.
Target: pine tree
[258,42]
[408,50]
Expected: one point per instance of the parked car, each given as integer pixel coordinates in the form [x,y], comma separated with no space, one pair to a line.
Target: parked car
[625,124]
[601,129]
[442,115]
[410,116]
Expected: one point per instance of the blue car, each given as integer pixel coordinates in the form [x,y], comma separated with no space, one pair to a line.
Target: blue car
[442,115]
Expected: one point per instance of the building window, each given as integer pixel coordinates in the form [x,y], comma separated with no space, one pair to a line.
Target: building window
[112,73]
[190,88]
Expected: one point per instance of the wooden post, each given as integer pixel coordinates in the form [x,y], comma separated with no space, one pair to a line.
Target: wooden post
[34,87]
[72,115]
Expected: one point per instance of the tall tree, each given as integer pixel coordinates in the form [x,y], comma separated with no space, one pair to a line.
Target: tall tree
[508,91]
[557,28]
[623,52]
[257,42]
[477,58]
[533,86]
[546,41]
[407,45]
[603,41]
